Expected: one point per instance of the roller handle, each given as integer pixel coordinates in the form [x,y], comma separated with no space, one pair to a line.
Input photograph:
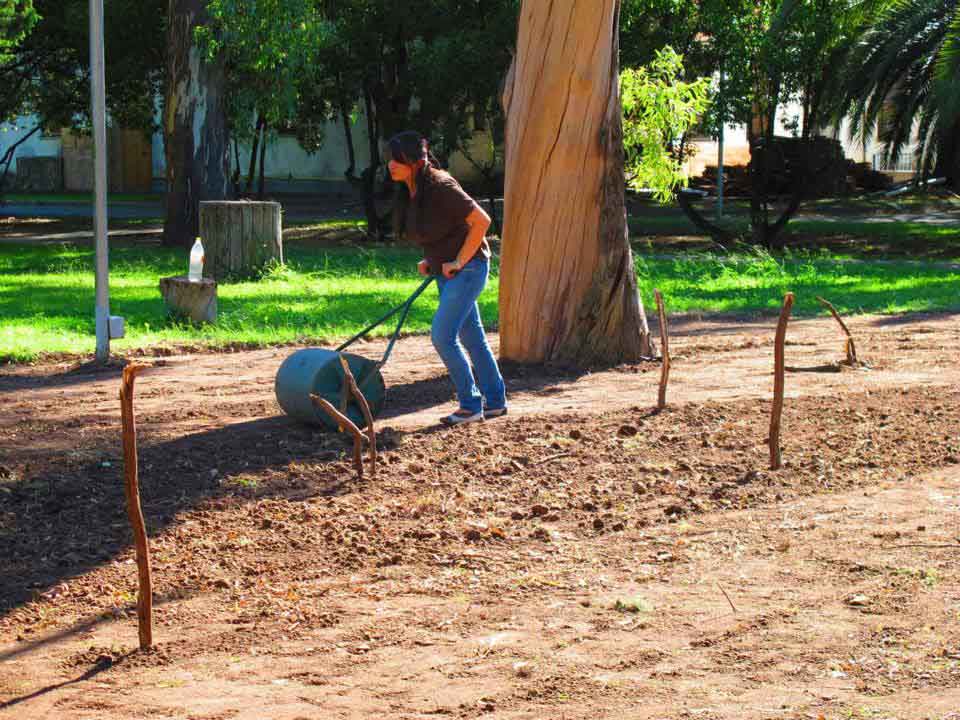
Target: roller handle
[404,309]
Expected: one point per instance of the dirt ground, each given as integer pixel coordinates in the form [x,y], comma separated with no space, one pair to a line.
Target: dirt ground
[584,557]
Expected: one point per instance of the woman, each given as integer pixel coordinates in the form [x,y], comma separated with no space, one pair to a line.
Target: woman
[434,212]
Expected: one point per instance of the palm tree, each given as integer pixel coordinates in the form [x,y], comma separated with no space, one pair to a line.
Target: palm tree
[904,79]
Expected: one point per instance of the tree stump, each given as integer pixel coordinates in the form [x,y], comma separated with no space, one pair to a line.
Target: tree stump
[195,301]
[240,238]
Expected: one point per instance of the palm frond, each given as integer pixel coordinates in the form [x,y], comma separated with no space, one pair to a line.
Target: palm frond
[904,75]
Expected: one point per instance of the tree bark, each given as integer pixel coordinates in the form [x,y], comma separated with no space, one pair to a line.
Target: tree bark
[254,153]
[348,137]
[11,152]
[369,176]
[261,187]
[948,157]
[195,125]
[568,288]
[235,177]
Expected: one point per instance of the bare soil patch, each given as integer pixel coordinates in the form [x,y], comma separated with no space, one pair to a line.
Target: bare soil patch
[583,557]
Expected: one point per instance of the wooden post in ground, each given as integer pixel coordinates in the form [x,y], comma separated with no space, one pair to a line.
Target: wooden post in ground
[779,371]
[850,347]
[665,345]
[131,489]
[350,380]
[347,423]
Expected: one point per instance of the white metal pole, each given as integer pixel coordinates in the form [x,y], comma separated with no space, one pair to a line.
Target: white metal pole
[98,115]
[720,140]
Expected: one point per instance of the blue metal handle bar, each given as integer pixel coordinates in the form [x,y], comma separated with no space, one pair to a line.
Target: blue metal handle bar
[404,309]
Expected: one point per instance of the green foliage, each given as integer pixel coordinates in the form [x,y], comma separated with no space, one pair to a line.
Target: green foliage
[46,71]
[17,19]
[948,71]
[450,55]
[904,74]
[271,48]
[658,109]
[458,72]
[648,26]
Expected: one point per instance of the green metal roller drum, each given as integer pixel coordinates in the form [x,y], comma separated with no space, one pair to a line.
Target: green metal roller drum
[316,371]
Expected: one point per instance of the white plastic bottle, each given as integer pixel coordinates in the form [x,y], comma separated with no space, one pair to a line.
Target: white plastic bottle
[196,262]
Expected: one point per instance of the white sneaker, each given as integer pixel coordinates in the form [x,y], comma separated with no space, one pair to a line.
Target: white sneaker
[459,419]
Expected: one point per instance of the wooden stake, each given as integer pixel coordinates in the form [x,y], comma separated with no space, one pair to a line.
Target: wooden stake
[131,488]
[664,343]
[776,460]
[851,348]
[365,409]
[346,422]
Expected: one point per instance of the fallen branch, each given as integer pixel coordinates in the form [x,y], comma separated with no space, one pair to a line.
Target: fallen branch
[732,606]
[664,342]
[551,458]
[365,409]
[850,347]
[776,461]
[131,488]
[347,423]
[955,546]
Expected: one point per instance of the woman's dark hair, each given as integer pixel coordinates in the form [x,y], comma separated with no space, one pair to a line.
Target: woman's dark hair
[410,147]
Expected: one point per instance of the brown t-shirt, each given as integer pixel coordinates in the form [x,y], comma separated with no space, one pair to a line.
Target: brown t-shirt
[440,226]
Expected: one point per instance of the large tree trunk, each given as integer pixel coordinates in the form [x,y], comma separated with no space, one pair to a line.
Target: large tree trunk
[195,126]
[568,288]
[948,157]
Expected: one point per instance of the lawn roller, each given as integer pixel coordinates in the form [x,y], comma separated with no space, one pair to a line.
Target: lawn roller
[318,371]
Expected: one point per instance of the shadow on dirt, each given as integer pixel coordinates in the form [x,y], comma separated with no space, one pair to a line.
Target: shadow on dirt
[63,511]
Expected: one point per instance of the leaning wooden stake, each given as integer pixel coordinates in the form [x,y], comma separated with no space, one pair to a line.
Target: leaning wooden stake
[347,423]
[778,383]
[850,347]
[664,343]
[131,487]
[365,409]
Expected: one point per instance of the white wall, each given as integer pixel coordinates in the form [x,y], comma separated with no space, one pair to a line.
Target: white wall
[286,160]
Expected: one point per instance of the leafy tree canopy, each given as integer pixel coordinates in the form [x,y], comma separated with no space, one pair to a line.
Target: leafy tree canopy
[46,72]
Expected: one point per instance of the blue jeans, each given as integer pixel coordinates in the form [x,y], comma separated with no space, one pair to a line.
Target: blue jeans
[456,327]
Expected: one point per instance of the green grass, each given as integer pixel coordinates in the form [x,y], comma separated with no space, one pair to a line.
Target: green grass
[675,223]
[756,282]
[905,234]
[47,293]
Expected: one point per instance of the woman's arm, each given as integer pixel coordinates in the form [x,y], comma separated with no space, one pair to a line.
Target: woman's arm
[478,221]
